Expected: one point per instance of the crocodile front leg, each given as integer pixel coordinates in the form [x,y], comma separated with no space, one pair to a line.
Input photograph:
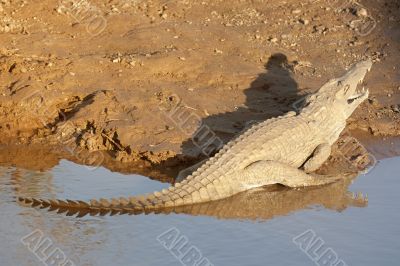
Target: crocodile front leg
[319,156]
[263,173]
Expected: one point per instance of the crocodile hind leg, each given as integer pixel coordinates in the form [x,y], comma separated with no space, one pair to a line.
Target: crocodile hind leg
[319,156]
[263,173]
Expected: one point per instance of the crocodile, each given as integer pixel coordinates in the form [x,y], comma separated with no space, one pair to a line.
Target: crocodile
[285,150]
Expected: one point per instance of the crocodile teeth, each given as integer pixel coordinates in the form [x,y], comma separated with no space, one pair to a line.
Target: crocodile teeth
[360,92]
[355,96]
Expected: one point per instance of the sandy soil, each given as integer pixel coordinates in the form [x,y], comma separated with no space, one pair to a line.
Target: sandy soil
[104,77]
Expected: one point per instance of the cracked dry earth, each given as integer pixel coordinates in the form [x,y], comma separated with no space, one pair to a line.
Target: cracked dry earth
[108,80]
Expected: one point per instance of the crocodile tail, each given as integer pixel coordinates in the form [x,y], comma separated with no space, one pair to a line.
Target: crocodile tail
[134,205]
[178,195]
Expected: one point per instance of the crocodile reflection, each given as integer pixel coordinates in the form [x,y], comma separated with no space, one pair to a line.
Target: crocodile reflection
[267,203]
[259,204]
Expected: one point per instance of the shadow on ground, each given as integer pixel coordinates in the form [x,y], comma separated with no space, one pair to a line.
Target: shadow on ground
[270,95]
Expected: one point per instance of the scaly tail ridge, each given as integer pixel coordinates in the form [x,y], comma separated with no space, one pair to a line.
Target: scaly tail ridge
[184,193]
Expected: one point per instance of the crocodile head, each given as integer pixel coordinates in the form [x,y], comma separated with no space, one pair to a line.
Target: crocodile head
[341,96]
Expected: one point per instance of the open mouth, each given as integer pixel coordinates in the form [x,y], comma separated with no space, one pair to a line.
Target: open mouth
[360,94]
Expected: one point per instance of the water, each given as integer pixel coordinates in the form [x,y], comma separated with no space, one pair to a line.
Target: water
[252,229]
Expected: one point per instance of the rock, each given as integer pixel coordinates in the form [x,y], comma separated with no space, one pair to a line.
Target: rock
[374,102]
[296,11]
[395,108]
[304,21]
[362,12]
[274,40]
[320,29]
[286,36]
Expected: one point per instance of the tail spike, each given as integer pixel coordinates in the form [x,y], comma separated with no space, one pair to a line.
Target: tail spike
[123,201]
[94,203]
[25,200]
[115,212]
[62,210]
[62,203]
[104,212]
[73,203]
[115,202]
[45,204]
[82,213]
[36,203]
[83,204]
[134,201]
[104,203]
[72,212]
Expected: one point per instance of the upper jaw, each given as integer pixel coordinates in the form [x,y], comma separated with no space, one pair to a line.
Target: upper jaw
[355,76]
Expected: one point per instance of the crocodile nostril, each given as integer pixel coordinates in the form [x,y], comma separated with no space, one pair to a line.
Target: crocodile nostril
[350,101]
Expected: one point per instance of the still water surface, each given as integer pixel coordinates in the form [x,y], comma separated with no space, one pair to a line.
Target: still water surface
[254,229]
